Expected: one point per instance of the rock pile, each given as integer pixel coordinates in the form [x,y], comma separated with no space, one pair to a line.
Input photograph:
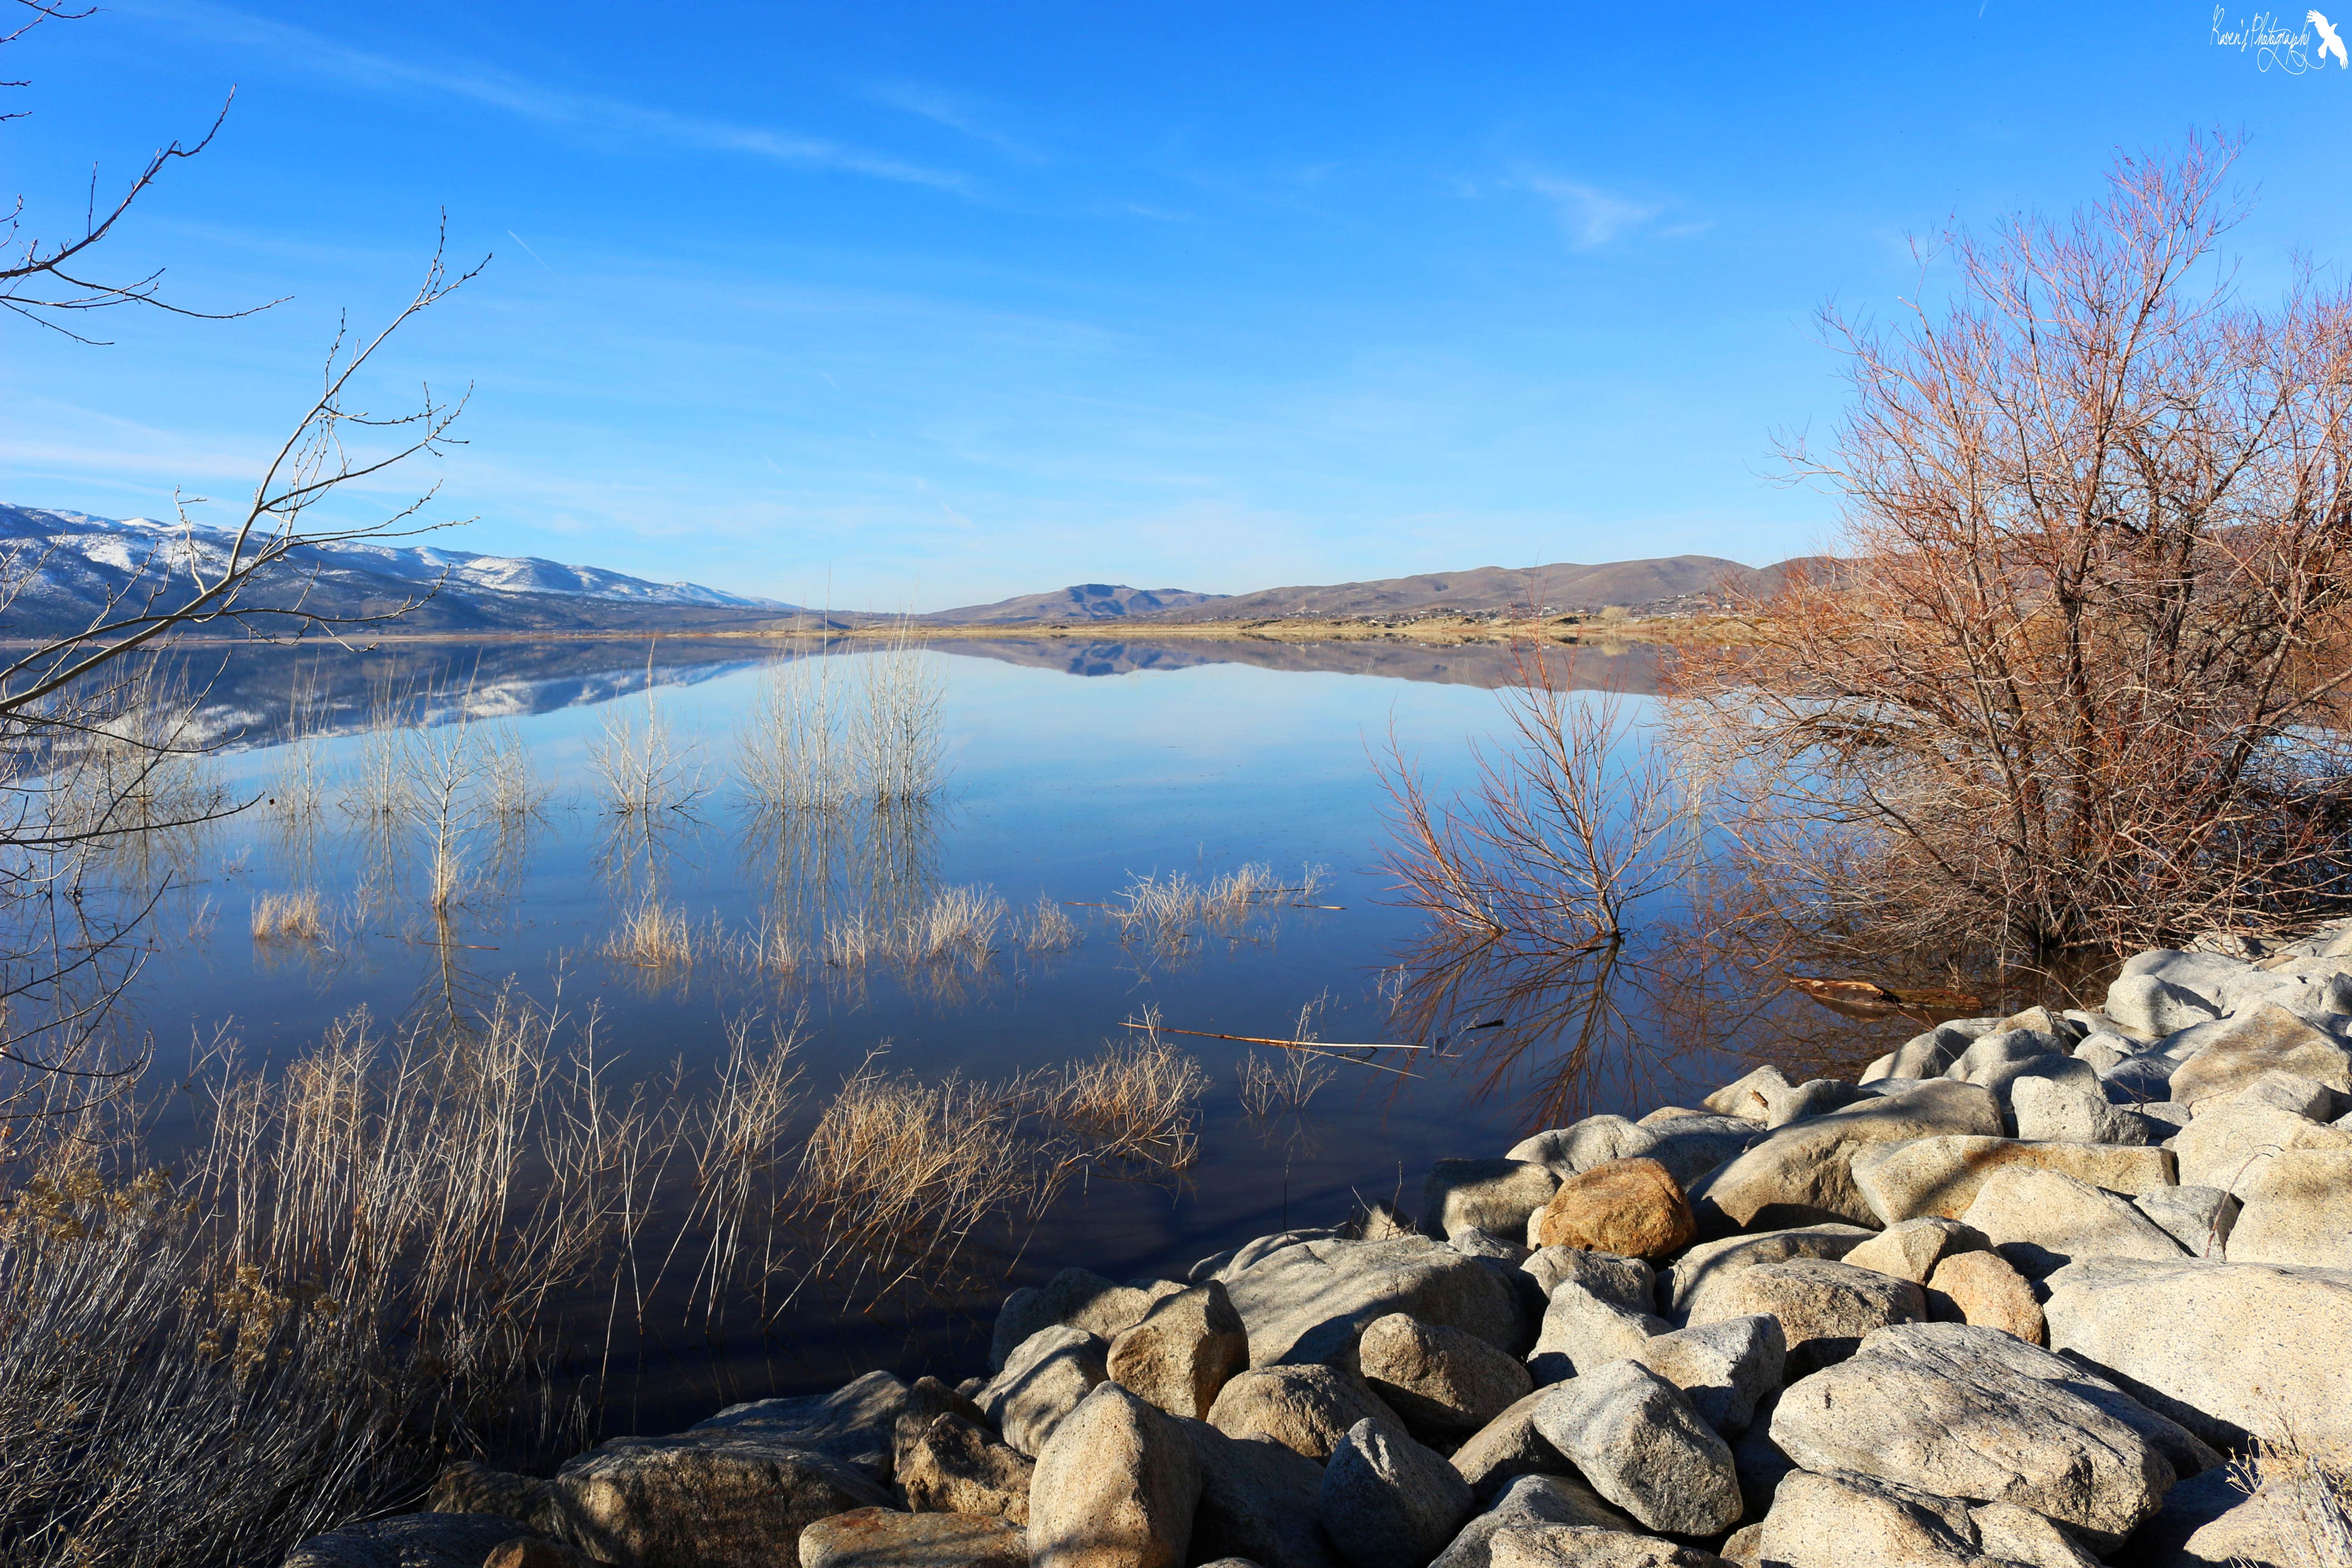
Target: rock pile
[2013,1298]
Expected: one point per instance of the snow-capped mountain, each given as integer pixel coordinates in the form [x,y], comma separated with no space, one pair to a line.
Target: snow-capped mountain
[67,565]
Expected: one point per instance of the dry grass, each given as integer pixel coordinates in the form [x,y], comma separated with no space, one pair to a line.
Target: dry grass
[369,1268]
[1172,913]
[1286,1084]
[1048,930]
[901,1175]
[292,917]
[1135,1101]
[654,935]
[772,947]
[2309,1489]
[956,926]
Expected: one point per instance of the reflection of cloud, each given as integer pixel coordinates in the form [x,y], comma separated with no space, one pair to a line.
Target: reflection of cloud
[527,100]
[1591,216]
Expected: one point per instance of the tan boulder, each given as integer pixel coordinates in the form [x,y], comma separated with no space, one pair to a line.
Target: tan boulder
[948,1465]
[1824,1308]
[1634,1208]
[2234,1052]
[885,1538]
[1802,1174]
[2225,1146]
[2298,1210]
[1307,1409]
[2041,1220]
[1117,1487]
[1910,1249]
[1185,1349]
[1982,1288]
[1940,1177]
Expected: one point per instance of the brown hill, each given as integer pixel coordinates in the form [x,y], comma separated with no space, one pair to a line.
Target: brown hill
[1080,602]
[1566,585]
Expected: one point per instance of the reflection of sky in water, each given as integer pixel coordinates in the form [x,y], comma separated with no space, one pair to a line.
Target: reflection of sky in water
[1058,786]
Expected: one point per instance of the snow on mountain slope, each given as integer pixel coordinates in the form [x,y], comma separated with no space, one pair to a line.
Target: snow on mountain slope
[78,561]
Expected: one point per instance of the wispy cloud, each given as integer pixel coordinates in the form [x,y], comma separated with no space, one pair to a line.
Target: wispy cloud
[959,114]
[1592,216]
[563,108]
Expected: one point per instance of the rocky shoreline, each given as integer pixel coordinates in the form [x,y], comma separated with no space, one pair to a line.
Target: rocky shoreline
[2028,1292]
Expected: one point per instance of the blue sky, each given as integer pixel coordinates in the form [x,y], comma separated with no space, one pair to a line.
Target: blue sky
[894,305]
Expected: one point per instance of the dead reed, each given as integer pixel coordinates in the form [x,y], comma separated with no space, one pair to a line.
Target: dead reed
[1048,928]
[655,934]
[1173,912]
[370,1265]
[896,737]
[1133,1102]
[2304,1491]
[295,917]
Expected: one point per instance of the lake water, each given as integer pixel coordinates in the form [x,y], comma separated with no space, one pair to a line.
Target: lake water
[1071,770]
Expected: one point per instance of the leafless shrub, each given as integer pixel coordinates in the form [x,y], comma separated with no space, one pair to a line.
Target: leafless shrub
[646,772]
[1289,1082]
[294,916]
[2075,679]
[772,948]
[1571,822]
[959,925]
[896,731]
[793,754]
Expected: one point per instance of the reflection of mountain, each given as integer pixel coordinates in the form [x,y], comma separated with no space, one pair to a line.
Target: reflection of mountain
[1634,669]
[247,696]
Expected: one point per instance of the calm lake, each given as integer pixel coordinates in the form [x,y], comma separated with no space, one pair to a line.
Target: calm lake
[1071,770]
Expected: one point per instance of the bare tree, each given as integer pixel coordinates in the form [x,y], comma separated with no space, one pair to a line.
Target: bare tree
[98,738]
[2075,678]
[52,282]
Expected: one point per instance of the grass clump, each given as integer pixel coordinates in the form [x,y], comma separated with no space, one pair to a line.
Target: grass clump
[290,917]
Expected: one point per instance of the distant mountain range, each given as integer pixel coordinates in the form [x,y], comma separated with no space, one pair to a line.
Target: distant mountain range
[72,564]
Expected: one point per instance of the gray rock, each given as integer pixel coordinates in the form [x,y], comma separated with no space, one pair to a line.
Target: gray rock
[2211,1521]
[2150,1005]
[1307,1409]
[1989,1055]
[1801,1174]
[853,1424]
[1042,1381]
[1758,1463]
[410,1540]
[1185,1349]
[1691,1146]
[1531,1500]
[1846,1522]
[1389,1503]
[1974,1414]
[2138,1081]
[1117,1487]
[1073,1298]
[1582,1546]
[2235,1053]
[1485,1244]
[1745,1096]
[1930,1055]
[885,1538]
[1636,1440]
[1575,1149]
[2049,1110]
[1582,1330]
[948,1465]
[1823,1308]
[1222,1266]
[1627,1281]
[1711,1263]
[702,1498]
[2225,1146]
[1443,1381]
[1305,1303]
[1722,1369]
[2041,1220]
[2199,1218]
[1910,1249]
[1257,1501]
[2290,1093]
[1491,1196]
[469,1488]
[1942,1176]
[2103,1051]
[1505,1448]
[2298,1211]
[1814,1096]
[2227,1350]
